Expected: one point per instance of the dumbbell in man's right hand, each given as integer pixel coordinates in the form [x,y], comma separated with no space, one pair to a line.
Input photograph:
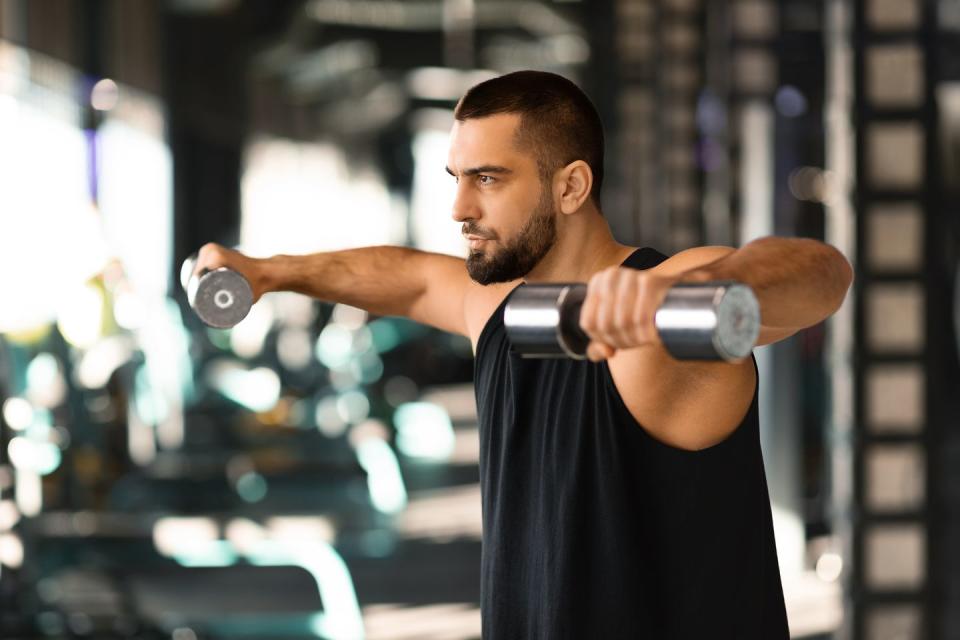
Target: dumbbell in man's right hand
[222,284]
[213,256]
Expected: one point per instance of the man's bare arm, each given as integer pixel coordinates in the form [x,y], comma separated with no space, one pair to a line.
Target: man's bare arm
[798,281]
[384,280]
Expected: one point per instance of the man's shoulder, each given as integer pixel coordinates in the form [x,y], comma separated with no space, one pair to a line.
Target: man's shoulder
[682,260]
[480,302]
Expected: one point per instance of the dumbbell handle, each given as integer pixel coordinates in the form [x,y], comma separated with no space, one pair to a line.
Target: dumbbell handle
[696,321]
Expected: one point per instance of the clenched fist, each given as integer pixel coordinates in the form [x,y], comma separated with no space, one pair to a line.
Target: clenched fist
[213,256]
[619,309]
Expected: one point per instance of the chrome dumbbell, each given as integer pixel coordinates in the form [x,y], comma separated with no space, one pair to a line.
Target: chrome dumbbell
[220,297]
[697,321]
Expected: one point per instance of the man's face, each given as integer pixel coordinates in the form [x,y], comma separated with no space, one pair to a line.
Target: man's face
[507,212]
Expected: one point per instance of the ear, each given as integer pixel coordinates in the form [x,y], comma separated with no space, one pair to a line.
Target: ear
[573,184]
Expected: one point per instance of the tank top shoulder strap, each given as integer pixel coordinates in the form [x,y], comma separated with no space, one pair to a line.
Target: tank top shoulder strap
[644,258]
[494,322]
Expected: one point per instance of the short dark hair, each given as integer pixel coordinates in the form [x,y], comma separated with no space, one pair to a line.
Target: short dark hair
[557,119]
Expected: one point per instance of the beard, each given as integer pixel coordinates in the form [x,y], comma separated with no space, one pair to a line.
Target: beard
[521,254]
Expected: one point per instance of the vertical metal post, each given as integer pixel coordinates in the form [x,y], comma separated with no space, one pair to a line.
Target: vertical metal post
[894,436]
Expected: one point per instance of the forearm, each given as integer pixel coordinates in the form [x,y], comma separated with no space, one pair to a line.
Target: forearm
[798,281]
[383,280]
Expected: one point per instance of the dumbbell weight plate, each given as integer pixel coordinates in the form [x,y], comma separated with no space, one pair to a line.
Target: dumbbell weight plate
[545,319]
[716,322]
[738,317]
[221,298]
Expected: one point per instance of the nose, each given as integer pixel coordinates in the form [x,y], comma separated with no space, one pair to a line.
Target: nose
[464,208]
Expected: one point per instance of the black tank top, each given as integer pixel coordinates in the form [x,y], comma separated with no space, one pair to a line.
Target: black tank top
[594,529]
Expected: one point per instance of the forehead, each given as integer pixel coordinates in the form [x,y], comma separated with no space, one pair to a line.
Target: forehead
[488,140]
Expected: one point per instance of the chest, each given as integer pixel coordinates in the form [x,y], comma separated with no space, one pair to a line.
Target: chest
[538,415]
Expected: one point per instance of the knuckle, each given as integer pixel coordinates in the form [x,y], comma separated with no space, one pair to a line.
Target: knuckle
[602,312]
[638,318]
[209,253]
[602,277]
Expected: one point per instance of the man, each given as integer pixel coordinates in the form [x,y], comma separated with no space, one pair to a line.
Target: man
[624,496]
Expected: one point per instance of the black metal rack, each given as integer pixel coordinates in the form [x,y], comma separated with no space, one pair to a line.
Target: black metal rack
[895,575]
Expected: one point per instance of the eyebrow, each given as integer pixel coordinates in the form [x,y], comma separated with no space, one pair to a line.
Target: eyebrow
[487,168]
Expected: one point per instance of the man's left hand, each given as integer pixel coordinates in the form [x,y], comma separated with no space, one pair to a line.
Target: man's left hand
[619,309]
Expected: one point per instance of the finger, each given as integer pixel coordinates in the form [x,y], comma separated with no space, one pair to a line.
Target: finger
[204,257]
[607,351]
[644,313]
[625,302]
[593,354]
[212,256]
[603,322]
[598,351]
[588,311]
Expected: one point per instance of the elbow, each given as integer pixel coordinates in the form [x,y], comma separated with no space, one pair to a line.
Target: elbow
[845,272]
[841,275]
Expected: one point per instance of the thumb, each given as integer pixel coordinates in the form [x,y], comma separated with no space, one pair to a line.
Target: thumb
[597,351]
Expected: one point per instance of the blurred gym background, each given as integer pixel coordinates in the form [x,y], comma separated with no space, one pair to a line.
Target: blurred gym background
[312,473]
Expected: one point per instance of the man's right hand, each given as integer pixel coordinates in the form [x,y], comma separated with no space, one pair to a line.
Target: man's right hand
[213,256]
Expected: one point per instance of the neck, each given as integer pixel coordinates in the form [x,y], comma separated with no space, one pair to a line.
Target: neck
[584,246]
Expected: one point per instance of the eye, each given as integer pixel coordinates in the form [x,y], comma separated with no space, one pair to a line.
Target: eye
[485,180]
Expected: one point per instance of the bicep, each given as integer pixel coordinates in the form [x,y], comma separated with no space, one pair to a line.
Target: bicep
[451,301]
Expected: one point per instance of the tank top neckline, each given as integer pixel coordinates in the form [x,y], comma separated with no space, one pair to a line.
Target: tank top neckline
[488,326]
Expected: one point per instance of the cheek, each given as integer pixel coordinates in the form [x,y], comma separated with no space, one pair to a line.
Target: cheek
[513,208]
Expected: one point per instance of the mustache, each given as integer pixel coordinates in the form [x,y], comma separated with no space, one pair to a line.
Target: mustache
[470,229]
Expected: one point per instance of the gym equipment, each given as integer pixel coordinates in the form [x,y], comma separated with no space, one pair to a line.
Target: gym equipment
[697,321]
[221,297]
